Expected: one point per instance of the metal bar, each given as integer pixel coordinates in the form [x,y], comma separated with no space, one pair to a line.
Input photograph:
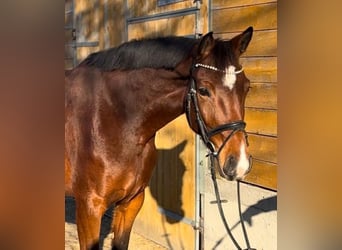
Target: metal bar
[210,7]
[198,152]
[126,13]
[82,44]
[197,191]
[105,17]
[86,44]
[73,26]
[177,217]
[198,22]
[166,2]
[163,15]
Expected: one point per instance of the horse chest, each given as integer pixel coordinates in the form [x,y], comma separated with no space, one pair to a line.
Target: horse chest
[131,173]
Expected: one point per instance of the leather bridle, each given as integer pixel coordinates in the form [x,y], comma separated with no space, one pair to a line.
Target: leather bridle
[206,134]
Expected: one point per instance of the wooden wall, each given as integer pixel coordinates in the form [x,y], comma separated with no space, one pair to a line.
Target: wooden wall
[260,62]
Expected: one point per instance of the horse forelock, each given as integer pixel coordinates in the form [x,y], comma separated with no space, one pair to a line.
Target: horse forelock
[224,59]
[163,52]
[223,54]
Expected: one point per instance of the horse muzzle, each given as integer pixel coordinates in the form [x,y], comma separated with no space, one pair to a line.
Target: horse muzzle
[236,168]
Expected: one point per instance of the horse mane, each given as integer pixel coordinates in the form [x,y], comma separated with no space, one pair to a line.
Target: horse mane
[224,54]
[162,52]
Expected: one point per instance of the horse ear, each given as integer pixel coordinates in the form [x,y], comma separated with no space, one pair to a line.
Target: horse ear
[180,147]
[240,42]
[206,44]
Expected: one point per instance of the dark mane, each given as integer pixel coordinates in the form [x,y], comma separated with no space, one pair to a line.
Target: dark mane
[224,54]
[163,52]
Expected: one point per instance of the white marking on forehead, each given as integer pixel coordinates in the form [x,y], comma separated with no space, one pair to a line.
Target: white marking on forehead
[243,164]
[230,77]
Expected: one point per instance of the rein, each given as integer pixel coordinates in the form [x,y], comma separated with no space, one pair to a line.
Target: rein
[206,134]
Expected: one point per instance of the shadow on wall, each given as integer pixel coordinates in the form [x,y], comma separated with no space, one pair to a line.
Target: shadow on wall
[166,186]
[167,182]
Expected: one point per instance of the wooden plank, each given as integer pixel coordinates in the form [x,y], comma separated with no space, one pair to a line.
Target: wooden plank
[235,3]
[263,43]
[138,8]
[261,121]
[263,174]
[262,95]
[263,147]
[179,26]
[261,17]
[260,69]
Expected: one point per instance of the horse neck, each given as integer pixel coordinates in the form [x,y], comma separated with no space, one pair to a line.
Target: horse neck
[166,104]
[156,100]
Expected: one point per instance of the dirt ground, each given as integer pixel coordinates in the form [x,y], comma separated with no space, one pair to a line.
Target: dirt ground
[137,242]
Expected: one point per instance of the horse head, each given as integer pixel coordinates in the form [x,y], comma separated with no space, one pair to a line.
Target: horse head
[215,101]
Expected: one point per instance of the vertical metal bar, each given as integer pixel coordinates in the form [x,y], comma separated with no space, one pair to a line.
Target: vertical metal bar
[197,192]
[105,20]
[74,48]
[201,166]
[201,240]
[198,206]
[198,21]
[126,20]
[210,15]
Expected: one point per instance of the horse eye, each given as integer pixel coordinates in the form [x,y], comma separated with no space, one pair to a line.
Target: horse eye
[203,91]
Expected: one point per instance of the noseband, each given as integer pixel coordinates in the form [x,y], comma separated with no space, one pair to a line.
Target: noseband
[204,132]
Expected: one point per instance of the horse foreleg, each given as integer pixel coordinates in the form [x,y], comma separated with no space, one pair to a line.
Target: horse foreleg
[124,215]
[89,211]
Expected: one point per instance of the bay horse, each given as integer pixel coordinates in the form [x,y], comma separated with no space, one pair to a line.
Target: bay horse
[117,99]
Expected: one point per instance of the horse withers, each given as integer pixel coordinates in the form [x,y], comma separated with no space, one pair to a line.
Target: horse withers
[117,99]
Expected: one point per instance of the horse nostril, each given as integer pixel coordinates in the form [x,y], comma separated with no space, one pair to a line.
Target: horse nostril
[230,166]
[232,161]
